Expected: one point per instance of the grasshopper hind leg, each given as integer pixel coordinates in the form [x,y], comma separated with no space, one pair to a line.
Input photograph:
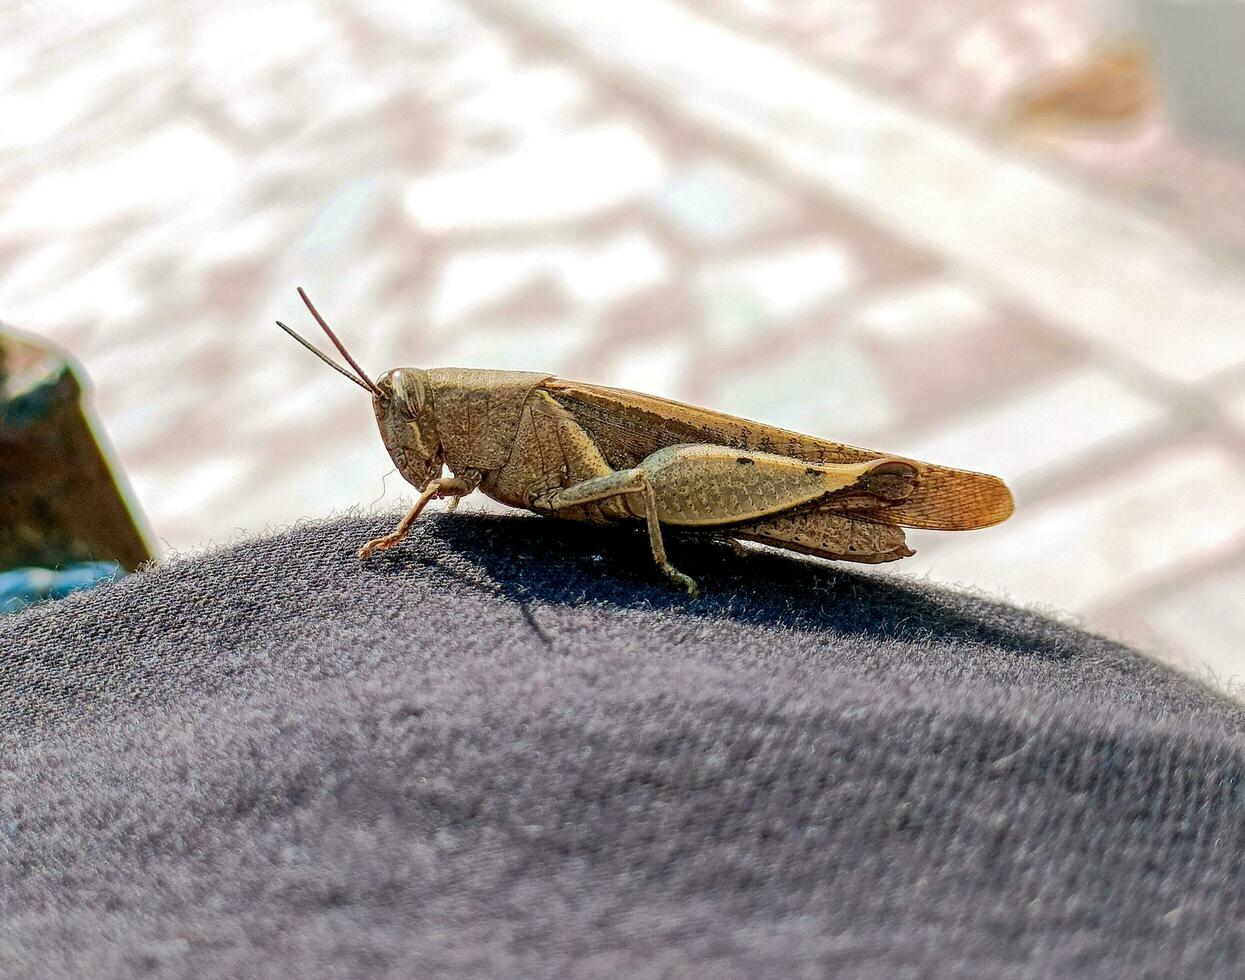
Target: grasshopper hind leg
[659,546]
[617,484]
[758,496]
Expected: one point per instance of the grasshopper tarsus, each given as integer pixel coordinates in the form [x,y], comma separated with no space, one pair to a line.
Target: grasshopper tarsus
[686,581]
[736,546]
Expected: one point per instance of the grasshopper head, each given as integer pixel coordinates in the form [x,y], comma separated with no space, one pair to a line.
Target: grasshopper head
[402,401]
[403,405]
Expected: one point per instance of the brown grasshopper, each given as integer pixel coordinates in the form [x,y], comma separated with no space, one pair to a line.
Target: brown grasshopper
[602,455]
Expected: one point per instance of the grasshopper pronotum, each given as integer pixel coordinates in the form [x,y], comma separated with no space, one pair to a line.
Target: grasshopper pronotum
[603,455]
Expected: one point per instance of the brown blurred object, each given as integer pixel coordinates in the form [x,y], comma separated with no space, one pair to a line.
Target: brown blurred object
[59,501]
[1115,85]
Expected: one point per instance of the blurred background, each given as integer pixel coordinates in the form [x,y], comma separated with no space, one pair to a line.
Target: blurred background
[1004,235]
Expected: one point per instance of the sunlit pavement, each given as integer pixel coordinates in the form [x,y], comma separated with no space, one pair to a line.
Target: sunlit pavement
[722,204]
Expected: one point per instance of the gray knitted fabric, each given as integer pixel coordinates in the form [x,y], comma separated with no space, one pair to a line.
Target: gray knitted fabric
[510,749]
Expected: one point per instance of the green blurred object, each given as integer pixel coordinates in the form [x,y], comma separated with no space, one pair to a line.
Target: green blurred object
[60,503]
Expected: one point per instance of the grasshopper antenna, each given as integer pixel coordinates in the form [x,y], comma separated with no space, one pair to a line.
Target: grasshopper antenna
[341,348]
[320,354]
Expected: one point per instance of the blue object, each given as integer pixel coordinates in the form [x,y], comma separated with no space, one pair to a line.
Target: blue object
[22,587]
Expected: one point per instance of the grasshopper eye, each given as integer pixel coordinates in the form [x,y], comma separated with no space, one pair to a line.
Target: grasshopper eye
[407,390]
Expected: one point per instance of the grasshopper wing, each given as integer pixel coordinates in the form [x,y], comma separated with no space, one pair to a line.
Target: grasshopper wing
[628,426]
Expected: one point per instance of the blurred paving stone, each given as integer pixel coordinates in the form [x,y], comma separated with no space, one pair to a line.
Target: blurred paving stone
[548,178]
[1206,614]
[1137,289]
[592,273]
[1235,409]
[919,312]
[968,61]
[714,203]
[748,292]
[533,98]
[1092,545]
[653,368]
[897,365]
[166,169]
[944,347]
[823,385]
[1057,424]
[551,346]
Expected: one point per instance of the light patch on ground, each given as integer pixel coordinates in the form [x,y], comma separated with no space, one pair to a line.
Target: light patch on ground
[828,389]
[592,275]
[1212,615]
[532,100]
[173,498]
[1084,549]
[714,203]
[167,171]
[535,347]
[551,177]
[743,295]
[657,369]
[1057,424]
[1235,409]
[922,311]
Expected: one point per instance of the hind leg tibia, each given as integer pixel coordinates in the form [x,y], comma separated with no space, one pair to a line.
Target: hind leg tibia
[619,483]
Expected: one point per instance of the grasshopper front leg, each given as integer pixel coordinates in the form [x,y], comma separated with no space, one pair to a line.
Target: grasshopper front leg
[453,487]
